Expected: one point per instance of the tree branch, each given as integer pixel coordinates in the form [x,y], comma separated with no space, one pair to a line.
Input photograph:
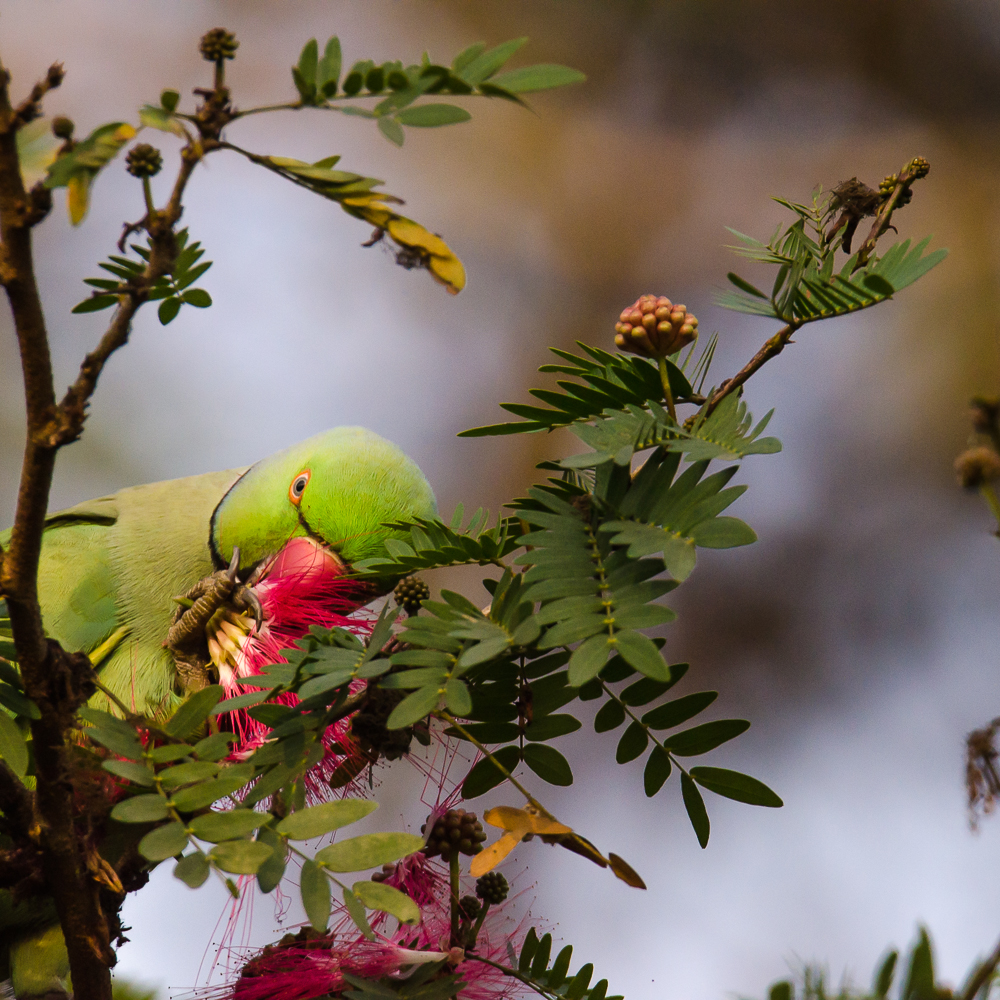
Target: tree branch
[17,805]
[772,348]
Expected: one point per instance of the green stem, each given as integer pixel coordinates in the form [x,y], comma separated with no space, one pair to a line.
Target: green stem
[990,496]
[474,934]
[668,393]
[635,718]
[447,717]
[453,871]
[147,193]
[514,973]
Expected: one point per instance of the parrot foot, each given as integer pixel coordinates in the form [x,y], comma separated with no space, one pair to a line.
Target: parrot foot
[193,636]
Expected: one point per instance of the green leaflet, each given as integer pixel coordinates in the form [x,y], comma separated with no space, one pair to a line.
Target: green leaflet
[315,888]
[379,896]
[304,824]
[606,382]
[554,979]
[433,544]
[368,851]
[240,857]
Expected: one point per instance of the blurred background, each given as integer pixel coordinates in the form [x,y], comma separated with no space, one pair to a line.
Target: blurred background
[860,635]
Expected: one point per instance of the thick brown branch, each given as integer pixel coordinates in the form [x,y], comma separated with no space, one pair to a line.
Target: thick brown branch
[52,679]
[773,347]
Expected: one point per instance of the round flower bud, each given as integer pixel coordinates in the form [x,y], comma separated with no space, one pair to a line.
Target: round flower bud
[977,466]
[456,832]
[492,888]
[470,907]
[62,127]
[381,876]
[919,167]
[655,327]
[985,413]
[143,160]
[218,44]
[409,592]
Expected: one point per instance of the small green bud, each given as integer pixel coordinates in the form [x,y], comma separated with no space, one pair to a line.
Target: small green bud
[354,80]
[143,160]
[409,592]
[62,127]
[375,80]
[492,888]
[397,80]
[218,44]
[470,907]
[169,99]
[919,167]
[457,831]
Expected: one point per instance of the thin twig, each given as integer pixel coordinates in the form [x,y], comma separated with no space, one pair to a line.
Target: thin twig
[772,348]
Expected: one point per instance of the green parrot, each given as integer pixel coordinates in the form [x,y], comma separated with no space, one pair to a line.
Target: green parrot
[155,582]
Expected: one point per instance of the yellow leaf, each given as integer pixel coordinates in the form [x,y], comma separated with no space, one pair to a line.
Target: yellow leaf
[625,871]
[411,234]
[449,271]
[521,822]
[78,191]
[489,857]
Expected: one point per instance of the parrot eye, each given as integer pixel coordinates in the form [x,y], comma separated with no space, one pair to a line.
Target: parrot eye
[298,487]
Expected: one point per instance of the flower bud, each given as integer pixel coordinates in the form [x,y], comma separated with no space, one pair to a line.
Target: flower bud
[409,592]
[655,327]
[492,888]
[977,466]
[919,167]
[218,44]
[456,832]
[62,127]
[143,160]
[985,414]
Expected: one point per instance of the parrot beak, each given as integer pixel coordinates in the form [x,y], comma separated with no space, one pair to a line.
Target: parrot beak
[306,558]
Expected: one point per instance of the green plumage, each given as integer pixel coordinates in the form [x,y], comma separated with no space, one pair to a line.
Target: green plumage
[111,567]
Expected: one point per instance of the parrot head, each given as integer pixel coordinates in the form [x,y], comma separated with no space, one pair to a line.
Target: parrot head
[318,506]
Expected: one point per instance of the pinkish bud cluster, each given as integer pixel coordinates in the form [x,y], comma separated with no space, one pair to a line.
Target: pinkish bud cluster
[654,327]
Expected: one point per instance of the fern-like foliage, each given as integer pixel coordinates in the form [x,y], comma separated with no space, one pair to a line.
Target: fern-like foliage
[606,382]
[554,981]
[433,544]
[726,433]
[807,287]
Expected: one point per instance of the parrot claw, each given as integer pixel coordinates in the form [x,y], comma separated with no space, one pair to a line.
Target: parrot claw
[234,565]
[247,598]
